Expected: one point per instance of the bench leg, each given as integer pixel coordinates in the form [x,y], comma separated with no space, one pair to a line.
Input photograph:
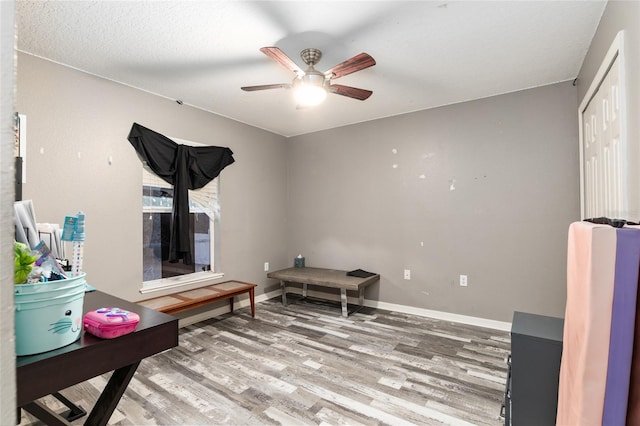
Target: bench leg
[284,292]
[252,300]
[343,298]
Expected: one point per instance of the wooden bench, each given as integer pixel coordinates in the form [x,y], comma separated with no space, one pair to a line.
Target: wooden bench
[189,299]
[331,278]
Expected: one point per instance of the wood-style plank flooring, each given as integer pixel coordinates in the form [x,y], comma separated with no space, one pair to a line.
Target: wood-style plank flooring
[304,364]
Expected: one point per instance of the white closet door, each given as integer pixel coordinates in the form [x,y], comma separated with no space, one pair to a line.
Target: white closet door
[604,160]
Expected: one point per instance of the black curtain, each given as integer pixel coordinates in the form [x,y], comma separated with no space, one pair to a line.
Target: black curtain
[185,167]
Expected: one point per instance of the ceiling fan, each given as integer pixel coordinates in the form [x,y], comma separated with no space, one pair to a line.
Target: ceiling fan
[311,86]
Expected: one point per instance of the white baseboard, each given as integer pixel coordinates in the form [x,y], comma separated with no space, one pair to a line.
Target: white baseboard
[444,316]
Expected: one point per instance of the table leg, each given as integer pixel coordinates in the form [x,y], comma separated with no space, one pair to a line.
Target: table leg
[74,412]
[231,303]
[343,298]
[44,413]
[304,290]
[252,300]
[110,396]
[361,297]
[284,292]
[50,417]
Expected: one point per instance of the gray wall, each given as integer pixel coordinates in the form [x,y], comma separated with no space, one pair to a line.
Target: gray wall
[620,16]
[333,196]
[76,121]
[485,188]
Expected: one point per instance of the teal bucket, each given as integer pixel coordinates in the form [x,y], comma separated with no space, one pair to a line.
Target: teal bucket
[48,315]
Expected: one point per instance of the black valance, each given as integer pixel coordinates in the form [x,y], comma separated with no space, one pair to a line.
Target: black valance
[185,167]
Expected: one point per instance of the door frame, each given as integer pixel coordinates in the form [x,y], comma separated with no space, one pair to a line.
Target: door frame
[616,50]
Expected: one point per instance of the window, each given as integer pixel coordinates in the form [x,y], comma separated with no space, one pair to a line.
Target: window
[157,204]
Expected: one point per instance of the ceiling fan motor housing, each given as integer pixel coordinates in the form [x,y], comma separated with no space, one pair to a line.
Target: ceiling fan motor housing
[312,78]
[311,56]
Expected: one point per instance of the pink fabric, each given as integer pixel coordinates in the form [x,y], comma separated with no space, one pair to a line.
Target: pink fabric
[591,256]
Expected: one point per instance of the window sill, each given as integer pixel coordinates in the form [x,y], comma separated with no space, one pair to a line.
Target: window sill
[166,283]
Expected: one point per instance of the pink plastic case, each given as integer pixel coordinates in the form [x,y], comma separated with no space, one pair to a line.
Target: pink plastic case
[109,323]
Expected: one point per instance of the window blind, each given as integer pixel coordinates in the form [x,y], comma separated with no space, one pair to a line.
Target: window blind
[203,200]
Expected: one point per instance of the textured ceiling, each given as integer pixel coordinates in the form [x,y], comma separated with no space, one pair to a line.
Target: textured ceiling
[428,53]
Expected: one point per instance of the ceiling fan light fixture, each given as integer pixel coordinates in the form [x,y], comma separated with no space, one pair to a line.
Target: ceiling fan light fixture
[309,95]
[310,90]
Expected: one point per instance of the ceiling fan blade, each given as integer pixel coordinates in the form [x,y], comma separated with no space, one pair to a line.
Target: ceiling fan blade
[266,87]
[351,92]
[279,56]
[357,63]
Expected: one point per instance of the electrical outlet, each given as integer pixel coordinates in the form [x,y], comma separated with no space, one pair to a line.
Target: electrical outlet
[463,280]
[266,266]
[407,274]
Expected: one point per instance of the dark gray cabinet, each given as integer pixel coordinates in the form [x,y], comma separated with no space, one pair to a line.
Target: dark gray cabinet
[531,394]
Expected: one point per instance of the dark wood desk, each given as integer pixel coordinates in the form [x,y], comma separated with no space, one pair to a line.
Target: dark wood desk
[47,373]
[332,278]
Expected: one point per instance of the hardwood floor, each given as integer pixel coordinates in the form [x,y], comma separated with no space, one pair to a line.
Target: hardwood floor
[304,364]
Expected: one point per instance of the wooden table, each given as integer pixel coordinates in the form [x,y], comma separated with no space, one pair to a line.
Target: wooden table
[331,278]
[47,373]
[189,299]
